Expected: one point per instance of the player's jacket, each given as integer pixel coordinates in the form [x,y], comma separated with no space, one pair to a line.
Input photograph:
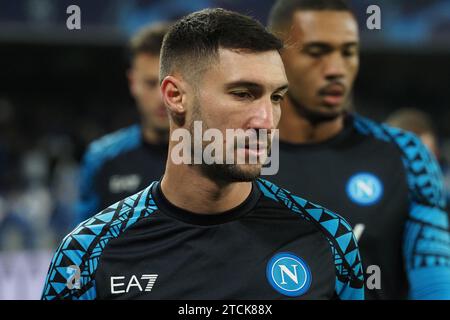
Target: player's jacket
[274,245]
[389,187]
[116,166]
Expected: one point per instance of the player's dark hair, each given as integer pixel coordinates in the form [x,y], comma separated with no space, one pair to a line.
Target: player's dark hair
[280,15]
[194,41]
[148,40]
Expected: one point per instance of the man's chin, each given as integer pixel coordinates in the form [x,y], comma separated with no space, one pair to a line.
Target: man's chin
[232,173]
[163,130]
[323,113]
[331,111]
[246,172]
[318,113]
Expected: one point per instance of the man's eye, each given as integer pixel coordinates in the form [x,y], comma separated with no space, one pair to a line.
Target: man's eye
[152,83]
[242,94]
[348,53]
[277,98]
[315,54]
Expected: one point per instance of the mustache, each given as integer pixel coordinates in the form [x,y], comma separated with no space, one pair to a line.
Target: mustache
[332,85]
[255,141]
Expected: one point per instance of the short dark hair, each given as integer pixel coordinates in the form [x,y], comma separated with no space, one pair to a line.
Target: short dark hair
[280,15]
[148,40]
[194,40]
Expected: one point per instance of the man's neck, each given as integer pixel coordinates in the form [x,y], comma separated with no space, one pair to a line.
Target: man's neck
[153,136]
[297,129]
[185,187]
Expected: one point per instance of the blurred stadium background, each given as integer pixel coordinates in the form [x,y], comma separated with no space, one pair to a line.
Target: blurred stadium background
[61,89]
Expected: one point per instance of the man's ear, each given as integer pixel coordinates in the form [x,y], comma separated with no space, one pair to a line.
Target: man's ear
[172,93]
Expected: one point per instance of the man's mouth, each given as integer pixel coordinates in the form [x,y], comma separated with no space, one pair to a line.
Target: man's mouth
[333,95]
[255,149]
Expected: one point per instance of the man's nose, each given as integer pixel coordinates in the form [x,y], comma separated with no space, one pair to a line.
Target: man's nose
[261,116]
[334,66]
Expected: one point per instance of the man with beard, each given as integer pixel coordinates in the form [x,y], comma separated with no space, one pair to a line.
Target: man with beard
[382,179]
[213,231]
[124,162]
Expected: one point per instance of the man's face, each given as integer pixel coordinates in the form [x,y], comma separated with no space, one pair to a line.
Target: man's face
[243,90]
[144,87]
[321,60]
[430,141]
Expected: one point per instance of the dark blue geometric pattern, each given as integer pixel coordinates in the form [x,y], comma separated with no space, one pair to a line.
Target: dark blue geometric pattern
[426,239]
[349,272]
[83,246]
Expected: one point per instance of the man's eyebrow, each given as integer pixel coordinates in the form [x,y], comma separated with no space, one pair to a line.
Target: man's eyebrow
[243,83]
[317,44]
[351,44]
[327,45]
[252,85]
[282,88]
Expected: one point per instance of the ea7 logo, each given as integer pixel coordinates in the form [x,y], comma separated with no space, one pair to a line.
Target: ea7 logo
[120,284]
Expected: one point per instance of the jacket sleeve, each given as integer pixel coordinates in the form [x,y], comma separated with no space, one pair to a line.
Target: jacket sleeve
[88,202]
[426,245]
[68,277]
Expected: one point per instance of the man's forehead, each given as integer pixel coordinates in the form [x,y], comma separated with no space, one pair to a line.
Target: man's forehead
[146,57]
[324,26]
[265,68]
[242,56]
[146,62]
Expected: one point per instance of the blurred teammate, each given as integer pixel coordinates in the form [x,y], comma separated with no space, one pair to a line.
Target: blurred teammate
[124,162]
[213,231]
[382,179]
[419,123]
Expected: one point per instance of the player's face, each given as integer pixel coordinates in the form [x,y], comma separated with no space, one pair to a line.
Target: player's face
[321,60]
[144,87]
[429,140]
[243,91]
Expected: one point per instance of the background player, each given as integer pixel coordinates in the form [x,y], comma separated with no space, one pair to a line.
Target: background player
[382,179]
[419,123]
[121,163]
[213,231]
